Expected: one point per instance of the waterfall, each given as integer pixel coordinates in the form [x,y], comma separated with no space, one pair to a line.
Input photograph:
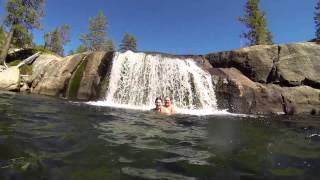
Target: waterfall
[138,78]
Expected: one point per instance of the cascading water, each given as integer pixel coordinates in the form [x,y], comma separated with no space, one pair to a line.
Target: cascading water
[137,79]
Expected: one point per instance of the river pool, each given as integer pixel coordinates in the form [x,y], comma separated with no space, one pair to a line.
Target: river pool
[49,138]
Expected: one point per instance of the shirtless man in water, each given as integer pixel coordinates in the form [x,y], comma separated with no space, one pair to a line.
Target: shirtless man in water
[168,107]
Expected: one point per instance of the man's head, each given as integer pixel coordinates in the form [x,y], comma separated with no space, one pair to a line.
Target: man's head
[158,102]
[167,101]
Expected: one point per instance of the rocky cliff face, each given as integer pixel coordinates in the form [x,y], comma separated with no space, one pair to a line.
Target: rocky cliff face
[75,77]
[257,79]
[269,79]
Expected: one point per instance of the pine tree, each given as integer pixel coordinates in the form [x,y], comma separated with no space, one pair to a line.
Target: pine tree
[21,37]
[109,45]
[128,42]
[2,37]
[256,22]
[55,40]
[317,20]
[97,37]
[22,16]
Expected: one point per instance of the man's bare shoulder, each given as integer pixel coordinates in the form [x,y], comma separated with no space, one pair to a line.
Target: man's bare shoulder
[173,109]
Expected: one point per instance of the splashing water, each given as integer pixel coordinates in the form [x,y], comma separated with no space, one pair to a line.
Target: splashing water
[138,78]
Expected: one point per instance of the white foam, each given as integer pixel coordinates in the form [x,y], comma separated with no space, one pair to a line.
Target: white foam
[201,112]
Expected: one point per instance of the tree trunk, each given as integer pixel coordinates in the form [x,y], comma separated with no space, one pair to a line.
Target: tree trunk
[5,49]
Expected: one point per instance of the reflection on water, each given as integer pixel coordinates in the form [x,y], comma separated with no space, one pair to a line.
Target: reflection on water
[47,138]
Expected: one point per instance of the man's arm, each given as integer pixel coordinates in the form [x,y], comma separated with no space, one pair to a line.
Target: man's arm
[173,109]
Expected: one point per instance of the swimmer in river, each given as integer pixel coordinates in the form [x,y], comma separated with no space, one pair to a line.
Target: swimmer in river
[158,103]
[168,107]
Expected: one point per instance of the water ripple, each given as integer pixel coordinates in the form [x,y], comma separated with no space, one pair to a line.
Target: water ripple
[165,136]
[153,174]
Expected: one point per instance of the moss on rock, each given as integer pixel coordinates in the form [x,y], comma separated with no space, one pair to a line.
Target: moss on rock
[103,87]
[14,63]
[26,70]
[75,80]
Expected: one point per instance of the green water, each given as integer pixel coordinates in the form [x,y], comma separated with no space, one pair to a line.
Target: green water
[48,138]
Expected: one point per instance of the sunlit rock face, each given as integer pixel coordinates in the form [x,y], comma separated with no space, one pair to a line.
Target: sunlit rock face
[75,77]
[51,74]
[299,64]
[10,79]
[288,64]
[269,79]
[255,62]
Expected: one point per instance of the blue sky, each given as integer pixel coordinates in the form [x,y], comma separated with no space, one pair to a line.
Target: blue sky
[178,26]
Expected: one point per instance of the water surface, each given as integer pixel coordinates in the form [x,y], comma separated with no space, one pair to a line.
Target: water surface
[48,138]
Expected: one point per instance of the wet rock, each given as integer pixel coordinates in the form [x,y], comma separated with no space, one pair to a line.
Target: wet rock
[25,83]
[24,87]
[301,100]
[10,79]
[94,73]
[239,94]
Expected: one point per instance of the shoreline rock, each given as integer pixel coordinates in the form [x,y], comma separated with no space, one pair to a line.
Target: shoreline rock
[269,78]
[79,76]
[10,79]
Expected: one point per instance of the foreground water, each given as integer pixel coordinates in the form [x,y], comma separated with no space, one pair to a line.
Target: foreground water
[48,138]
